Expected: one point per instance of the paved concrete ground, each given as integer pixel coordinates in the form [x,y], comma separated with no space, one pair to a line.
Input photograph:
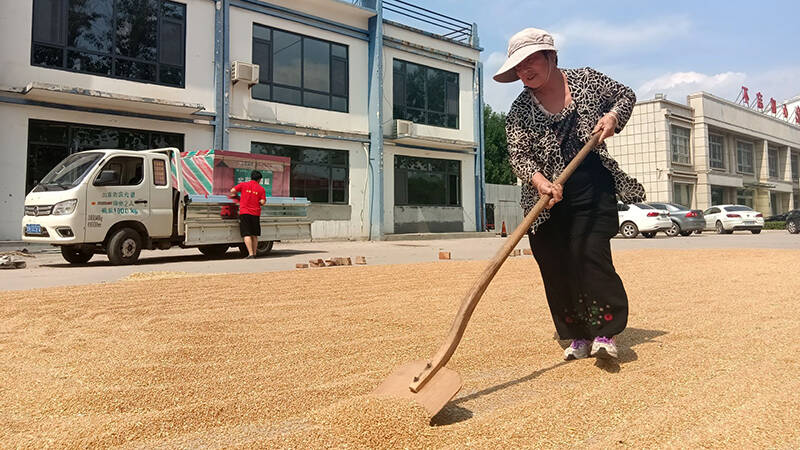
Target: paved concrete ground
[47,268]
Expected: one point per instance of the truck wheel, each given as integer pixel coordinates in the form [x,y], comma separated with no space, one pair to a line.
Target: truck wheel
[124,247]
[213,251]
[629,230]
[264,248]
[75,254]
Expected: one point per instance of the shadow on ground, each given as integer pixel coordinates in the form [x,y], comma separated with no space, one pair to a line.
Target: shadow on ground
[102,261]
[631,337]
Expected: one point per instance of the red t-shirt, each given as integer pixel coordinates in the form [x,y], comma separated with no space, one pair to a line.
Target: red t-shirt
[250,200]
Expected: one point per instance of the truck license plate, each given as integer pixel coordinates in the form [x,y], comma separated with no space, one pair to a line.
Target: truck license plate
[33,228]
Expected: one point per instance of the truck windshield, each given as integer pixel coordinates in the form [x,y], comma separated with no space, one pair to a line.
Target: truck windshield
[69,172]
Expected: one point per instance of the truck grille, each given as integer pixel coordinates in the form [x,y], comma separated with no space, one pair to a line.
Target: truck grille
[38,210]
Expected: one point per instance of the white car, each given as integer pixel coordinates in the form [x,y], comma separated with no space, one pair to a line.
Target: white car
[641,218]
[726,219]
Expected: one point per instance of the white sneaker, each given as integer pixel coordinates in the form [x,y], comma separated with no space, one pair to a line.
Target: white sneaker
[604,348]
[578,349]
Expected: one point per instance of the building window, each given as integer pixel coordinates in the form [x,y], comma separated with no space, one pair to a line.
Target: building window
[139,40]
[680,144]
[717,195]
[772,160]
[716,151]
[427,181]
[774,203]
[50,142]
[319,175]
[795,166]
[682,194]
[744,157]
[425,95]
[300,70]
[744,197]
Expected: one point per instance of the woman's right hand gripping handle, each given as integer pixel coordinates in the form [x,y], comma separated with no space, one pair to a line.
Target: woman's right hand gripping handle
[545,187]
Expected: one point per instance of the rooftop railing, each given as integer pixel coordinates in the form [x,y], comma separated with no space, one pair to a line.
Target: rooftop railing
[431,21]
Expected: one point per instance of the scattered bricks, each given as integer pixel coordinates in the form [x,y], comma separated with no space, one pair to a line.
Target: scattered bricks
[516,252]
[361,259]
[330,262]
[301,266]
[444,255]
[527,251]
[316,263]
[347,261]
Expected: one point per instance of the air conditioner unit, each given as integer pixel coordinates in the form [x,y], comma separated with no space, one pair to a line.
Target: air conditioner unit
[242,71]
[403,128]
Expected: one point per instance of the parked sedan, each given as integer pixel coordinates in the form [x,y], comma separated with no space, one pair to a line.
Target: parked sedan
[726,219]
[641,217]
[793,221]
[685,221]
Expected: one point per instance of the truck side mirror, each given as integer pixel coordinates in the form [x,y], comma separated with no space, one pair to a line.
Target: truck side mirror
[107,178]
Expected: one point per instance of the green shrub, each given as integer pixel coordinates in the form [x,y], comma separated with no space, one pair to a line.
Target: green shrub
[775,225]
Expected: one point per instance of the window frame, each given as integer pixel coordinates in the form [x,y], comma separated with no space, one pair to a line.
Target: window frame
[112,54]
[447,174]
[425,110]
[711,159]
[739,165]
[68,146]
[673,145]
[794,162]
[269,76]
[330,166]
[688,187]
[743,196]
[773,170]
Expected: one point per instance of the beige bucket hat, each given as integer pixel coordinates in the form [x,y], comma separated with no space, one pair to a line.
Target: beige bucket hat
[520,46]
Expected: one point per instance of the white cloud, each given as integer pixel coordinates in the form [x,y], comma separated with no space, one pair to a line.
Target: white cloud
[676,86]
[618,36]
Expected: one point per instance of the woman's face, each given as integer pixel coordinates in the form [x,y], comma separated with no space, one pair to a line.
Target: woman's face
[533,70]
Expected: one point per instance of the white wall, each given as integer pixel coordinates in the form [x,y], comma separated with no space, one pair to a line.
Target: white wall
[17,71]
[14,150]
[242,105]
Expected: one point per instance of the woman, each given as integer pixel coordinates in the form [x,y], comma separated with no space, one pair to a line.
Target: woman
[547,125]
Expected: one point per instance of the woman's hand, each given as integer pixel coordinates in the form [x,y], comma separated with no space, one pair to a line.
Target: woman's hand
[545,187]
[606,126]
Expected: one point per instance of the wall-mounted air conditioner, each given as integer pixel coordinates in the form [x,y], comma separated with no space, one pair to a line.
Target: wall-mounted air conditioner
[403,128]
[243,71]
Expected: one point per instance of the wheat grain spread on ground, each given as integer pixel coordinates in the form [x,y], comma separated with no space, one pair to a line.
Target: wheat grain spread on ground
[287,359]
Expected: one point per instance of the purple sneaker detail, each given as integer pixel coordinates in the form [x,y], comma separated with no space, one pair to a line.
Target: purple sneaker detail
[578,343]
[604,340]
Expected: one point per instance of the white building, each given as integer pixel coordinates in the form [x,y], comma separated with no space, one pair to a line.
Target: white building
[711,151]
[382,121]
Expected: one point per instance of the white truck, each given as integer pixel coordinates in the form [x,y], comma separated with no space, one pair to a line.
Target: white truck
[118,202]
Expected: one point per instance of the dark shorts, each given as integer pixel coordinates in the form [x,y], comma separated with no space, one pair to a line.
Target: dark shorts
[249,225]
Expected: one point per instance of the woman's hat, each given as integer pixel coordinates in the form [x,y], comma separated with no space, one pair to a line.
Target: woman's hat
[520,46]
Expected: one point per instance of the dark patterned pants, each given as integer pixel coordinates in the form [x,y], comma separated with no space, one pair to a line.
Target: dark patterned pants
[573,250]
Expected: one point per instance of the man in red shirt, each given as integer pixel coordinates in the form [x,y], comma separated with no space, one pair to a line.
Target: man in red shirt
[253,196]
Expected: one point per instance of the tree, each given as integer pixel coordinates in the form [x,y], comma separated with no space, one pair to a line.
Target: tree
[498,170]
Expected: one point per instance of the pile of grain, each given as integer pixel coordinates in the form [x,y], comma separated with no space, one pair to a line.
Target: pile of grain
[289,360]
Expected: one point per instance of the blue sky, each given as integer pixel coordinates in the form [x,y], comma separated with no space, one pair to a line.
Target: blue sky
[676,47]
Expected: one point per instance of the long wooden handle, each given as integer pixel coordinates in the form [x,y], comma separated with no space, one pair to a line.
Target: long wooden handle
[474,295]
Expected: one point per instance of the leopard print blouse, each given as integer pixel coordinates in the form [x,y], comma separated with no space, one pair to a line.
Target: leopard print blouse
[534,147]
